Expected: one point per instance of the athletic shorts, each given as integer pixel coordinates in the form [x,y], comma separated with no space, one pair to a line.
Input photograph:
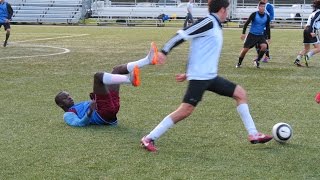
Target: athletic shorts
[5,25]
[308,39]
[108,105]
[196,89]
[252,40]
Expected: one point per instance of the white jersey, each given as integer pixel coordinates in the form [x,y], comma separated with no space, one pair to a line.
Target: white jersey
[206,43]
[314,20]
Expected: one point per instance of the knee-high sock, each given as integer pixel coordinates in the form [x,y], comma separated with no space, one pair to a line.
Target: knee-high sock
[161,128]
[7,36]
[140,63]
[243,110]
[115,79]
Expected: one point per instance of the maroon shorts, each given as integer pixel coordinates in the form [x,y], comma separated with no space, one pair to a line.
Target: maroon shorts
[108,105]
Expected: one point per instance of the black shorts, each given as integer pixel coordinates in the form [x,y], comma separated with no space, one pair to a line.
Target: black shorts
[196,89]
[5,25]
[307,38]
[252,40]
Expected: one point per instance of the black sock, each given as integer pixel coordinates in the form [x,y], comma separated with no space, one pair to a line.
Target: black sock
[7,36]
[261,53]
[240,60]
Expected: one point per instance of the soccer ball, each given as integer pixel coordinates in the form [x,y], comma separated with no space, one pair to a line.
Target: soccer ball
[282,132]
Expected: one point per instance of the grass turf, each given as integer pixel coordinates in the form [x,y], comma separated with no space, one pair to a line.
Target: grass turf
[211,144]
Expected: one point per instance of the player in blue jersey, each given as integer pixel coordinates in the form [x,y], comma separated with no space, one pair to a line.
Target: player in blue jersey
[259,22]
[6,13]
[202,74]
[311,35]
[270,11]
[104,105]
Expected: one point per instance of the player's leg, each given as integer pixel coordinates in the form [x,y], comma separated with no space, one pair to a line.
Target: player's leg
[192,97]
[249,43]
[263,47]
[301,54]
[7,29]
[243,109]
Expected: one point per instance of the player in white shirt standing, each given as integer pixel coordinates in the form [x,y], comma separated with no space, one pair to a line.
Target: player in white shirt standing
[189,17]
[202,74]
[310,35]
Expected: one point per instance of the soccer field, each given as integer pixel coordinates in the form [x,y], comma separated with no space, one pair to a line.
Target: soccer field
[35,143]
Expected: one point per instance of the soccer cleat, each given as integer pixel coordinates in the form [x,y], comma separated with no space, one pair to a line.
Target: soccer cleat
[259,138]
[5,43]
[148,144]
[238,65]
[153,54]
[306,59]
[135,76]
[256,64]
[297,62]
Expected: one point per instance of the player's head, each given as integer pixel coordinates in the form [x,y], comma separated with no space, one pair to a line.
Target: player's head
[219,7]
[261,7]
[316,4]
[64,100]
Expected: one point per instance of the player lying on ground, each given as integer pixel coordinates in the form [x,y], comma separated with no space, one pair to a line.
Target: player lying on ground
[104,105]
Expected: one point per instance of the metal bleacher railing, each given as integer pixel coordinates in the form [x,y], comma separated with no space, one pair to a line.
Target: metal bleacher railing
[46,11]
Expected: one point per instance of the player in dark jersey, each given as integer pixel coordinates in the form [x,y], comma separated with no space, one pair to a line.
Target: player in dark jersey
[6,13]
[104,105]
[311,36]
[260,21]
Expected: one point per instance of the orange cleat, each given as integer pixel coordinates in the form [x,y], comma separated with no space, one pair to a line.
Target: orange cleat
[135,76]
[153,54]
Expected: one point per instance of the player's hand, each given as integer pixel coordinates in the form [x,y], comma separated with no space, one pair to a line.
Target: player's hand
[243,36]
[313,34]
[181,77]
[161,58]
[268,41]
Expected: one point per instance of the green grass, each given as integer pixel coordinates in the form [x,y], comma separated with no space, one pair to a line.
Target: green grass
[35,143]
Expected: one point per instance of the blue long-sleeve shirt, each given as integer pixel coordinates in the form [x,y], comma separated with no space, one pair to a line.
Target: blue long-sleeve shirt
[270,11]
[6,12]
[77,116]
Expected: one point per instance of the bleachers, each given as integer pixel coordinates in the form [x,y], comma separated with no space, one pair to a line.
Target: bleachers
[142,15]
[46,11]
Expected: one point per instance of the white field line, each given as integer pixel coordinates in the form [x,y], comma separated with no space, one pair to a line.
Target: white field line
[64,50]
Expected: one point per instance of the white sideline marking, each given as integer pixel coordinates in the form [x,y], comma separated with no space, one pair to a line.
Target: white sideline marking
[43,39]
[65,50]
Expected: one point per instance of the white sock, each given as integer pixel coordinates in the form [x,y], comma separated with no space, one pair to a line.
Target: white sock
[299,57]
[140,63]
[310,54]
[162,127]
[115,79]
[243,110]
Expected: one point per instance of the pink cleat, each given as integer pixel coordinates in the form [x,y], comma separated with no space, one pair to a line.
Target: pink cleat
[259,138]
[148,144]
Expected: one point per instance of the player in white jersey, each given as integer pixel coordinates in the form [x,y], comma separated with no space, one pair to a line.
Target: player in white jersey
[311,35]
[202,74]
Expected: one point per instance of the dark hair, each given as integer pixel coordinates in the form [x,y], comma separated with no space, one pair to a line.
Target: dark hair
[316,4]
[261,3]
[216,5]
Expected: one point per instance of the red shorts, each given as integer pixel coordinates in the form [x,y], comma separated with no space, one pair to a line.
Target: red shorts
[108,105]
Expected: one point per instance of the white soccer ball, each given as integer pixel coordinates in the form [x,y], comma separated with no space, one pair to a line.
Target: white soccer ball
[282,132]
